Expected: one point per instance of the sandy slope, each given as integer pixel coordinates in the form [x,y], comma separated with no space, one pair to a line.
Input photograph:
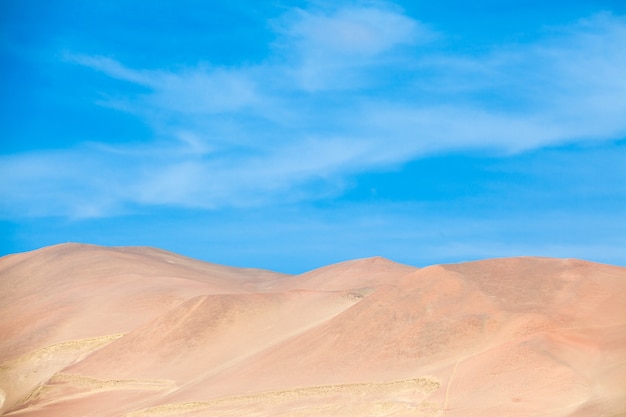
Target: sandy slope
[88,330]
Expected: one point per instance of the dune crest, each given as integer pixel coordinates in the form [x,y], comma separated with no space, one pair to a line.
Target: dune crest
[136,332]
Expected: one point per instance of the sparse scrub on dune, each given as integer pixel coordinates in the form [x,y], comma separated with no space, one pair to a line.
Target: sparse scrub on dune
[23,378]
[391,396]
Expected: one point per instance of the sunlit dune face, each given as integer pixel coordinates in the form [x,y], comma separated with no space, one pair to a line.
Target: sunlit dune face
[142,332]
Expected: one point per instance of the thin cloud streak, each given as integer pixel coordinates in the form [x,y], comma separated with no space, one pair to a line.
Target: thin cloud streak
[332,51]
[328,105]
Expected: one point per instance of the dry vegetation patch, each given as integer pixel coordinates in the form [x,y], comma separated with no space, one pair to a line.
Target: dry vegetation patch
[386,398]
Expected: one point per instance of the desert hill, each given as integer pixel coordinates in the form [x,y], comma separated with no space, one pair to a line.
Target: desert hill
[88,330]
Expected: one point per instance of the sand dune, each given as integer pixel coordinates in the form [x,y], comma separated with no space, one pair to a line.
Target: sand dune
[88,330]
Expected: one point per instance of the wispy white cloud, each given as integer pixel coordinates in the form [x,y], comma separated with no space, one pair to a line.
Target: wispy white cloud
[351,32]
[76,183]
[331,51]
[346,90]
[201,90]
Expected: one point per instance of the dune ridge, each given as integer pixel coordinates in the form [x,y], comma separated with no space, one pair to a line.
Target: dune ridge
[136,332]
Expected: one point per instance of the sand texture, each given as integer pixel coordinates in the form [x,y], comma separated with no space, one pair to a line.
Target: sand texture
[140,332]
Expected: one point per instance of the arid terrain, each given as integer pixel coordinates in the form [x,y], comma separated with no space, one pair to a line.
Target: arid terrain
[140,332]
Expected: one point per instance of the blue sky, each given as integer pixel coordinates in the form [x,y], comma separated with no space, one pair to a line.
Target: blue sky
[292,134]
